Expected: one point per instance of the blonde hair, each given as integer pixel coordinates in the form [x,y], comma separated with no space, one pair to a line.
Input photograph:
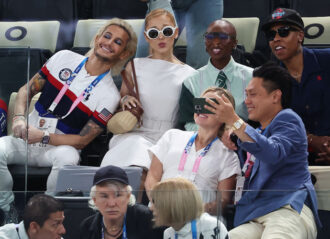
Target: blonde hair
[176,201]
[109,183]
[156,13]
[221,91]
[130,46]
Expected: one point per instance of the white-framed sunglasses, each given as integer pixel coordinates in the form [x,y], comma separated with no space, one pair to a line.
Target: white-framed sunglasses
[167,31]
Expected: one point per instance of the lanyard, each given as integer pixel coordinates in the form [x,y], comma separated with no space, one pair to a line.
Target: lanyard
[193,230]
[17,229]
[249,162]
[81,96]
[198,159]
[124,229]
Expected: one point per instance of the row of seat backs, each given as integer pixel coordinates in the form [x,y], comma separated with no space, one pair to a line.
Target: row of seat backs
[44,34]
[247,29]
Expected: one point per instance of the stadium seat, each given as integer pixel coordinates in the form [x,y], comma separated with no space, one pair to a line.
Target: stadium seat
[86,30]
[23,46]
[322,188]
[81,178]
[246,28]
[76,209]
[317,32]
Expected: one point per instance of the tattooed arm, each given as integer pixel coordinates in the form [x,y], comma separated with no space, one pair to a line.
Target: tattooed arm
[87,134]
[34,86]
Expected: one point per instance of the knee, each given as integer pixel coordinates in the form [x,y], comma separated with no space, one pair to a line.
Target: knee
[66,155]
[3,150]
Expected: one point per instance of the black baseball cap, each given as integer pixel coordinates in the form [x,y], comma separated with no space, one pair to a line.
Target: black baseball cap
[284,15]
[110,173]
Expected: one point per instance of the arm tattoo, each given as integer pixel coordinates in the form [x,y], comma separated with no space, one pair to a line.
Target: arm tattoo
[37,84]
[91,128]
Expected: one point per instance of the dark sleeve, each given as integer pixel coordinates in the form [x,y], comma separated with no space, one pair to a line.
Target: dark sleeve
[93,222]
[139,222]
[186,107]
[83,234]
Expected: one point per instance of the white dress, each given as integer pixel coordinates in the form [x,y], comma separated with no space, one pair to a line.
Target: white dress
[160,85]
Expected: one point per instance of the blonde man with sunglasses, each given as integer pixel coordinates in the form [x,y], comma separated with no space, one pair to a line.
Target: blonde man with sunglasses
[310,73]
[78,97]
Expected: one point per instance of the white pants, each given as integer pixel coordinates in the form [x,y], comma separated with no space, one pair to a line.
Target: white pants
[13,151]
[284,223]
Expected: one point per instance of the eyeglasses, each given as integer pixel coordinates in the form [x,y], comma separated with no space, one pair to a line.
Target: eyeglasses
[167,31]
[282,32]
[220,35]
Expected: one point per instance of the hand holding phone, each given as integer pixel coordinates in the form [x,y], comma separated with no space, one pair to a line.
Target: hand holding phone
[199,105]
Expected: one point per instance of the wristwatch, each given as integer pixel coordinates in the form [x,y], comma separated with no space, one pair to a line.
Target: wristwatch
[45,138]
[237,125]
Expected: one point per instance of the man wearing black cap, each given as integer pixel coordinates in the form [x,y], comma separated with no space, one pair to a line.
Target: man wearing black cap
[310,73]
[118,216]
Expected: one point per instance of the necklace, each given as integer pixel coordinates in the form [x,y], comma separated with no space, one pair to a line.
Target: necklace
[113,235]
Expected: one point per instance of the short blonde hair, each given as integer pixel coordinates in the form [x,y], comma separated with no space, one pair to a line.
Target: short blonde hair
[221,91]
[109,183]
[130,46]
[176,200]
[156,13]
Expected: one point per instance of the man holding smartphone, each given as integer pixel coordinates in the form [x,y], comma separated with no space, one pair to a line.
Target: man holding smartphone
[274,196]
[221,70]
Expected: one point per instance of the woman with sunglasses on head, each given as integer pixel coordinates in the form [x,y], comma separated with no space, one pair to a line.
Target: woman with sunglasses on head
[198,156]
[310,73]
[159,78]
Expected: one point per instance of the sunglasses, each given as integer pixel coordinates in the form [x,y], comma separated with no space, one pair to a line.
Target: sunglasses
[167,31]
[212,35]
[282,32]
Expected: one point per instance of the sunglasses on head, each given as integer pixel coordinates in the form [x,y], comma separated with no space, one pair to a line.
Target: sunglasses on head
[282,32]
[219,35]
[167,31]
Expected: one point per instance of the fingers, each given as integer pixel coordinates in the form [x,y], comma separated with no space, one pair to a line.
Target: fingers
[130,102]
[323,158]
[226,140]
[19,130]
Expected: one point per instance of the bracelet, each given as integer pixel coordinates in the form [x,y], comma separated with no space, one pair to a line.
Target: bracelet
[18,117]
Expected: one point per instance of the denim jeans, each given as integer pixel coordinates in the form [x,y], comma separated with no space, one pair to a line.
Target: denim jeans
[196,16]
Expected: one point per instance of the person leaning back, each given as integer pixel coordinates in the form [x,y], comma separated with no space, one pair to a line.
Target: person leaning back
[78,97]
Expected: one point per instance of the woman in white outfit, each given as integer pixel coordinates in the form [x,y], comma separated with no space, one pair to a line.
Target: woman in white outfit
[159,78]
[199,157]
[177,203]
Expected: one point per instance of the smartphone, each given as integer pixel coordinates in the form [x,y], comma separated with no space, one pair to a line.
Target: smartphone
[199,105]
